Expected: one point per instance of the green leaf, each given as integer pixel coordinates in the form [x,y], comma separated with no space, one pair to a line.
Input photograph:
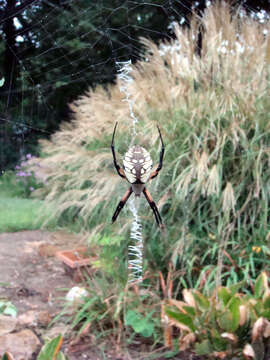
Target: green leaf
[218,343]
[266,314]
[181,318]
[50,350]
[235,287]
[2,81]
[225,321]
[190,310]
[145,328]
[131,317]
[224,295]
[203,348]
[229,320]
[140,324]
[258,307]
[201,301]
[10,310]
[111,240]
[260,285]
[234,308]
[266,302]
[7,308]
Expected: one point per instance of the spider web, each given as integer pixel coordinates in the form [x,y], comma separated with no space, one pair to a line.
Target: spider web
[72,66]
[75,66]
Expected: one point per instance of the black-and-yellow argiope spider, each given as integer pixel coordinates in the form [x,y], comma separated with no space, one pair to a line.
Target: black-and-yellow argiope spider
[137,166]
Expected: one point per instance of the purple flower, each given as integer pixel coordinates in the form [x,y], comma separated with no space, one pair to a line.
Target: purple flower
[21,173]
[31,188]
[17,167]
[28,156]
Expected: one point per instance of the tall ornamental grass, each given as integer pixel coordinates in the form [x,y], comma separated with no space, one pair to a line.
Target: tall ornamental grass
[213,109]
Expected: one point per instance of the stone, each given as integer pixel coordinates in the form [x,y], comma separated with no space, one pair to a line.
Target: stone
[7,324]
[29,318]
[44,318]
[22,345]
[35,318]
[56,330]
[47,250]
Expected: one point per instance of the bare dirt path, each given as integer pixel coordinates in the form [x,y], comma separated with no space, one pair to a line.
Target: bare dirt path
[30,270]
[34,280]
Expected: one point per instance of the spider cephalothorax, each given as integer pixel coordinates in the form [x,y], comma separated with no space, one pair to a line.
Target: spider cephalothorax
[137,170]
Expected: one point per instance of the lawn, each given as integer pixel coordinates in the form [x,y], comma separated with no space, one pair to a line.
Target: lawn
[19,214]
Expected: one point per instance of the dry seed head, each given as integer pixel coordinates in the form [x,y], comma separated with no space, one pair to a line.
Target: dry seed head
[202,166]
[228,199]
[185,180]
[213,182]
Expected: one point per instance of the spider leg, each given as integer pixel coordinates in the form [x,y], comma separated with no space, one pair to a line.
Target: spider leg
[122,204]
[118,168]
[155,172]
[153,207]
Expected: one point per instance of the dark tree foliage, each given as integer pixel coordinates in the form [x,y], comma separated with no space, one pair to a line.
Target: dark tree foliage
[57,49]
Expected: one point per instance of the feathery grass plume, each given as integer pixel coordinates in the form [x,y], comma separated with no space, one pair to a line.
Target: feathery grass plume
[212,186]
[213,111]
[228,199]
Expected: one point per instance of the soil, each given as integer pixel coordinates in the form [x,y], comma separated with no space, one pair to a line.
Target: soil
[34,280]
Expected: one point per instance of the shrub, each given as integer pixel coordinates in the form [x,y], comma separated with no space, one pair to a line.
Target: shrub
[21,181]
[225,325]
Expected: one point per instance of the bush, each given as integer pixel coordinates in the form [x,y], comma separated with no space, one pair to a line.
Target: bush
[21,181]
[225,325]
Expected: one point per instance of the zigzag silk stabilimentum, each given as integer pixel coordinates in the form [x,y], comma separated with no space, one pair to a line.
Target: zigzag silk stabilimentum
[135,252]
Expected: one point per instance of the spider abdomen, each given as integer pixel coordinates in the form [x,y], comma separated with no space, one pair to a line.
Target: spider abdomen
[137,165]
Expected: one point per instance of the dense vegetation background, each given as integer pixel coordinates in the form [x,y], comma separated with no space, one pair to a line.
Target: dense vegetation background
[213,111]
[51,52]
[206,84]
